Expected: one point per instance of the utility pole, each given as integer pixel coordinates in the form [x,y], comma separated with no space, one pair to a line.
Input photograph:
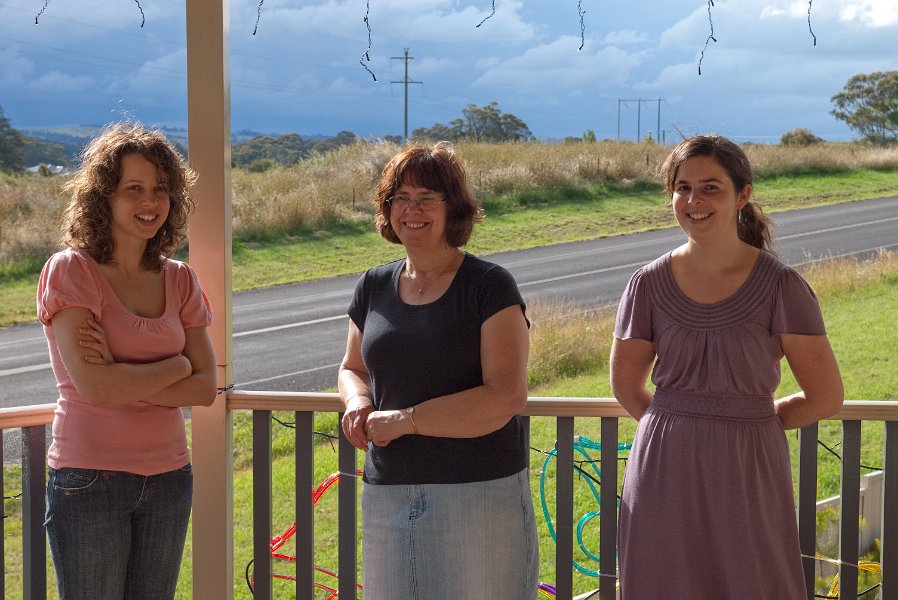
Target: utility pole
[639,102]
[405,80]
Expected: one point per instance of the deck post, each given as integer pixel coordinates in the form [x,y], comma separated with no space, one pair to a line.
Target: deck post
[209,144]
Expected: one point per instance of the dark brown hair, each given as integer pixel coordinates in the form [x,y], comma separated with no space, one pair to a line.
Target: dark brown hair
[436,168]
[89,215]
[753,225]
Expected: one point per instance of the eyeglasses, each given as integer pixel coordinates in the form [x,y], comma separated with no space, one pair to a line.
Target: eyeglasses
[402,202]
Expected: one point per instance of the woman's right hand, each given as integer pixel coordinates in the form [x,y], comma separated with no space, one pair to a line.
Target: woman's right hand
[354,418]
[93,337]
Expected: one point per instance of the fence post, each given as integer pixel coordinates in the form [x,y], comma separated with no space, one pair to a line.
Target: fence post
[262,504]
[849,508]
[305,524]
[564,509]
[889,540]
[34,539]
[347,531]
[807,502]
[608,509]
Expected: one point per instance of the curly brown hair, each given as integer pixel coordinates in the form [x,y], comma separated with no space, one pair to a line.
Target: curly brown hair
[88,216]
[753,226]
[436,168]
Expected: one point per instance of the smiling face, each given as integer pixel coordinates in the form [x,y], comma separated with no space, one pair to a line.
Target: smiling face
[416,227]
[705,200]
[140,203]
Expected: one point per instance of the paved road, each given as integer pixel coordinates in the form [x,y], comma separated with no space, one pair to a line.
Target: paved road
[292,337]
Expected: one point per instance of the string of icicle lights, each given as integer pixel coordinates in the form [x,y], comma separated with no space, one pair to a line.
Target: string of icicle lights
[366,56]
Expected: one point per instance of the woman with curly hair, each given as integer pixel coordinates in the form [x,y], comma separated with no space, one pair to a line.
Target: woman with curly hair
[127,331]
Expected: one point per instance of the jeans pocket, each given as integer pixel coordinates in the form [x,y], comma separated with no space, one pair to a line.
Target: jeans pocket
[72,480]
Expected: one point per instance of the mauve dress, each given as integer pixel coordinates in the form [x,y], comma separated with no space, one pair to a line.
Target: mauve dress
[707,509]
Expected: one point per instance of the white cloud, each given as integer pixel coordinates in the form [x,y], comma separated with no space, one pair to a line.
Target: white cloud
[559,67]
[17,69]
[390,21]
[788,10]
[433,66]
[447,20]
[70,17]
[625,37]
[60,83]
[878,13]
[166,72]
[487,63]
[301,71]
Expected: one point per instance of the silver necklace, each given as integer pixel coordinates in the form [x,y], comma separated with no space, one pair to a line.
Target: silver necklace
[412,278]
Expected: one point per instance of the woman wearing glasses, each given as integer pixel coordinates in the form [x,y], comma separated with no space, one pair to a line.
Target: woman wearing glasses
[432,381]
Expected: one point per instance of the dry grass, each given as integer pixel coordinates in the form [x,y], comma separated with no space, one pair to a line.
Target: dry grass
[31,208]
[320,189]
[337,186]
[499,168]
[567,340]
[772,160]
[847,274]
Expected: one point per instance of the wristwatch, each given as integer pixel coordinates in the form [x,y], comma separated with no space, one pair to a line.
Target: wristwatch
[410,411]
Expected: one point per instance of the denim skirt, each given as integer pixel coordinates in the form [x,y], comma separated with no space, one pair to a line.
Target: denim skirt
[442,541]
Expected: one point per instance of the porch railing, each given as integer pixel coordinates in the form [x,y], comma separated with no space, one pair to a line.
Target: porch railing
[33,420]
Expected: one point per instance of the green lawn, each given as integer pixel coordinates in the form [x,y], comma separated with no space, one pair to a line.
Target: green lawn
[515,220]
[868,371]
[855,318]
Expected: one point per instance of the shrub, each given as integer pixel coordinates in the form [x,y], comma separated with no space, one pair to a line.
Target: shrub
[799,137]
[260,165]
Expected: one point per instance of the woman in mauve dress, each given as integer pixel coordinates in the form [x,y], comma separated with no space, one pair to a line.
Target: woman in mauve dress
[707,509]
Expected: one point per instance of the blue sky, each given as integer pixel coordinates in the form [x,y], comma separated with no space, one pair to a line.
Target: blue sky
[90,62]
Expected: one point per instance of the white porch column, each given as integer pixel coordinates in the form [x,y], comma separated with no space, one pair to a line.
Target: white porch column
[209,135]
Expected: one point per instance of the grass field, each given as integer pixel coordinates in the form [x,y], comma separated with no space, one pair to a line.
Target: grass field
[855,296]
[313,219]
[534,195]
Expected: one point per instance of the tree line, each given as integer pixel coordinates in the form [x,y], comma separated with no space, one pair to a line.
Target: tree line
[868,104]
[478,124]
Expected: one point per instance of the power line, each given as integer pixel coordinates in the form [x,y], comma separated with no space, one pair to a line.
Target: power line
[405,80]
[639,102]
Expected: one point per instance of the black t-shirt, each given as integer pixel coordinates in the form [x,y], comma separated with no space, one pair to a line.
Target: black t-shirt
[417,352]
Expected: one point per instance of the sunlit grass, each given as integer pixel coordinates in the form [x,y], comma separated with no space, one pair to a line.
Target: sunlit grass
[568,358]
[314,219]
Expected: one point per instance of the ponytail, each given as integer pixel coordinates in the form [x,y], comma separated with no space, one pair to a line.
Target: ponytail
[754,226]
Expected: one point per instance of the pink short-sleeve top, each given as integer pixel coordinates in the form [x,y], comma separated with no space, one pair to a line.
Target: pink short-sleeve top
[136,437]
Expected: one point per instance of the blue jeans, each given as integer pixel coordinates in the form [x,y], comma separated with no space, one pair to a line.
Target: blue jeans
[116,535]
[447,541]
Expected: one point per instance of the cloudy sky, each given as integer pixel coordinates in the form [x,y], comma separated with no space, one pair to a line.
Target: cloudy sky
[562,66]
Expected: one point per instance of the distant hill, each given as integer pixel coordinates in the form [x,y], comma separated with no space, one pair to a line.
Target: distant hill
[61,145]
[71,139]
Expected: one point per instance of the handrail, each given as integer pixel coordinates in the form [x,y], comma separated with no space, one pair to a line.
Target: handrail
[549,406]
[537,406]
[34,418]
[26,416]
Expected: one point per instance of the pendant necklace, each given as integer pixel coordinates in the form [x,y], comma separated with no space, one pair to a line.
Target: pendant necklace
[421,286]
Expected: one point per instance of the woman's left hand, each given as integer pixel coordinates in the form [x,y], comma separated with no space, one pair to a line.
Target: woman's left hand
[384,426]
[93,337]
